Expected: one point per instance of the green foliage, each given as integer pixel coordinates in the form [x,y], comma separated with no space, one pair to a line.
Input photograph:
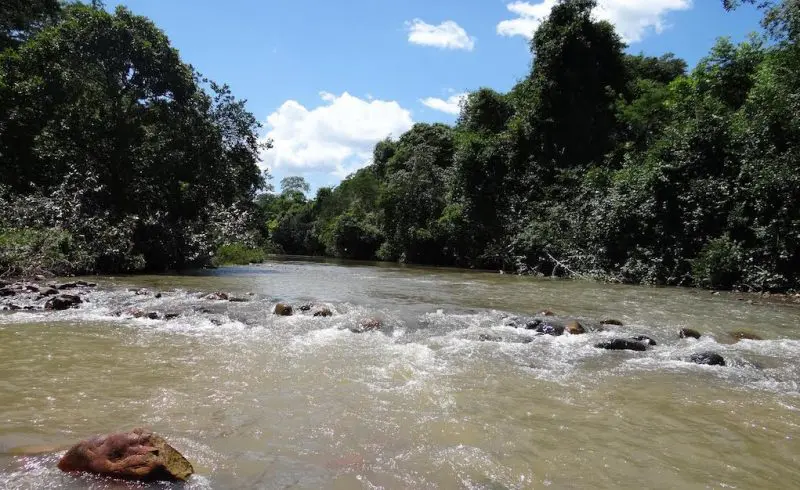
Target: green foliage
[719,264]
[106,133]
[238,254]
[29,251]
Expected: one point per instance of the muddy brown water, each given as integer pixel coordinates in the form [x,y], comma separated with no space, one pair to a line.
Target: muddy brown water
[258,401]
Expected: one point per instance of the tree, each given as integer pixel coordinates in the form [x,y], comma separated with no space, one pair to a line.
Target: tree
[20,18]
[578,70]
[290,185]
[99,111]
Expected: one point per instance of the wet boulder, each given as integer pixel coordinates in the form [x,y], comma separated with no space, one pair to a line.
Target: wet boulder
[545,313]
[574,328]
[707,359]
[611,321]
[48,292]
[137,455]
[171,315]
[63,302]
[550,329]
[306,307]
[282,309]
[688,333]
[67,285]
[322,311]
[622,344]
[644,339]
[744,335]
[6,291]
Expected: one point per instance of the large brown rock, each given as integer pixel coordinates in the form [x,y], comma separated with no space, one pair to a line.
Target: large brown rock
[135,455]
[575,328]
[282,309]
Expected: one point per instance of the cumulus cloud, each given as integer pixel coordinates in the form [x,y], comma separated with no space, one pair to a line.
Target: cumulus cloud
[451,105]
[337,137]
[632,18]
[447,35]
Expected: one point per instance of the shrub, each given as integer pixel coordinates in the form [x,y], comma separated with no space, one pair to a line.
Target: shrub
[719,265]
[238,254]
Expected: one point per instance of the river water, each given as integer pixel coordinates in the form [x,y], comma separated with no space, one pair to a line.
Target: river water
[260,401]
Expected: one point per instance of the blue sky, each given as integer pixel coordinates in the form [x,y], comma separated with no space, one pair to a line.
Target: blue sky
[330,78]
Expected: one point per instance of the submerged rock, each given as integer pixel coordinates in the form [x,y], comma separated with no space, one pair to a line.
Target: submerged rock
[708,359]
[217,296]
[68,285]
[688,333]
[135,455]
[171,315]
[63,302]
[611,321]
[545,313]
[622,344]
[7,292]
[306,307]
[744,335]
[484,337]
[48,292]
[575,328]
[282,309]
[367,325]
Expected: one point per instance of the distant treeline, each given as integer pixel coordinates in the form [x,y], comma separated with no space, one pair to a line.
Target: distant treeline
[115,155]
[599,163]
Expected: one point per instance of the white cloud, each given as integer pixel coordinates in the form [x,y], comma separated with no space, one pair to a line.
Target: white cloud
[452,105]
[336,137]
[447,35]
[632,18]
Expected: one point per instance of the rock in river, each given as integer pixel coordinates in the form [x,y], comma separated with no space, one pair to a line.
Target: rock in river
[611,321]
[63,302]
[744,335]
[688,333]
[622,344]
[135,455]
[367,325]
[708,359]
[575,328]
[282,309]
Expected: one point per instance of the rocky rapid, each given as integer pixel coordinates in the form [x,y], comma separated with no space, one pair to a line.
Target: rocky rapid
[313,375]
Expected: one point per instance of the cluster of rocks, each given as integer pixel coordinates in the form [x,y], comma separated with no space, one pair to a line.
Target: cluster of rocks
[365,325]
[30,295]
[546,323]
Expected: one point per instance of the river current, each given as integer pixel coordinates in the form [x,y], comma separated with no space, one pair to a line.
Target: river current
[448,394]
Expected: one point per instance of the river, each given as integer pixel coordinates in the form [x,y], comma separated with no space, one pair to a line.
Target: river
[260,401]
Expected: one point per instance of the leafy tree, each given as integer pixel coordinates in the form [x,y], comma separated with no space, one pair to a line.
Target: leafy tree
[20,18]
[99,112]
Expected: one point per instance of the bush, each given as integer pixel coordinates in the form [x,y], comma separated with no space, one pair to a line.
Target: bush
[719,265]
[238,254]
[29,251]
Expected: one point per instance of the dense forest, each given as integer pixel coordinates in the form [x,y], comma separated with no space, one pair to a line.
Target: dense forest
[599,163]
[115,155]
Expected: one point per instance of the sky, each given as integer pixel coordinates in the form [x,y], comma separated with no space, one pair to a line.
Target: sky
[328,79]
